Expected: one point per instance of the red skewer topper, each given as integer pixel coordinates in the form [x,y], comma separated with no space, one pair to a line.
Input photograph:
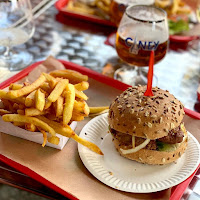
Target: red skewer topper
[150,76]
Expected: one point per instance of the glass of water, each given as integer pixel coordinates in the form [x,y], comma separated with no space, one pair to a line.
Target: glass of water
[16,27]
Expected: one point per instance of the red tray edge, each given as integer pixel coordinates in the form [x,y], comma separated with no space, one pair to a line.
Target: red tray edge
[62,3]
[177,190]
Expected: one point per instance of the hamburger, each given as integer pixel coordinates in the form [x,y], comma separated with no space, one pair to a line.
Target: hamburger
[148,129]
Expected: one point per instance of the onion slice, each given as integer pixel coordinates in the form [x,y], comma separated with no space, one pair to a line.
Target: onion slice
[133,150]
[133,142]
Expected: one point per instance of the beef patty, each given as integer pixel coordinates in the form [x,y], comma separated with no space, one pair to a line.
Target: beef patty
[174,136]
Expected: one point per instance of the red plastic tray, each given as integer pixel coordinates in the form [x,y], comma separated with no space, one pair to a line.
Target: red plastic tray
[61,7]
[177,191]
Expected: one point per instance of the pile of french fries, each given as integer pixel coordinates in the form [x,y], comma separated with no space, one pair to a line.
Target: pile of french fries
[80,7]
[49,104]
[104,5]
[174,7]
[100,8]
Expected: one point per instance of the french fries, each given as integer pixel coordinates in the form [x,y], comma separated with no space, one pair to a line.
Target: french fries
[54,140]
[58,90]
[27,89]
[69,97]
[82,86]
[68,132]
[88,144]
[32,120]
[3,112]
[59,106]
[20,112]
[4,95]
[65,131]
[73,76]
[30,99]
[44,137]
[30,127]
[15,86]
[39,100]
[52,81]
[49,105]
[34,112]
[80,95]
[94,111]
[20,124]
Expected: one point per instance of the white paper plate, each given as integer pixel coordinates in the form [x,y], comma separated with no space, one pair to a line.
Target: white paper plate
[127,175]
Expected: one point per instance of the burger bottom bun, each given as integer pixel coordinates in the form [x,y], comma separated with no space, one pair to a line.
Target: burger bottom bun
[153,157]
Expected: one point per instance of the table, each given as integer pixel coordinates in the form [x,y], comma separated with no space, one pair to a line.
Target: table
[83,43]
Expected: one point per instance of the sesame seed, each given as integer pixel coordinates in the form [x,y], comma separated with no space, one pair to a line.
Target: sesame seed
[161,120]
[154,116]
[132,111]
[139,120]
[173,108]
[128,106]
[158,131]
[149,124]
[150,157]
[146,114]
[125,96]
[172,125]
[163,160]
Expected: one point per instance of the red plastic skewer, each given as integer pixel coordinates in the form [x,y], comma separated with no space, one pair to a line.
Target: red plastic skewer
[150,76]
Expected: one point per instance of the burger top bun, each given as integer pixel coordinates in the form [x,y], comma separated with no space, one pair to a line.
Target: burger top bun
[147,117]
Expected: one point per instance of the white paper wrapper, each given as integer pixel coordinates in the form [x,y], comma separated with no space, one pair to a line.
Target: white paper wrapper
[9,128]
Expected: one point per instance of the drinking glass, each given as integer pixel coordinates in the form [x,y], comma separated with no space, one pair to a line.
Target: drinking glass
[142,29]
[16,27]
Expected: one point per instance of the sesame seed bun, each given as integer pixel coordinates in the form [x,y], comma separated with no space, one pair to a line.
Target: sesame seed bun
[147,117]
